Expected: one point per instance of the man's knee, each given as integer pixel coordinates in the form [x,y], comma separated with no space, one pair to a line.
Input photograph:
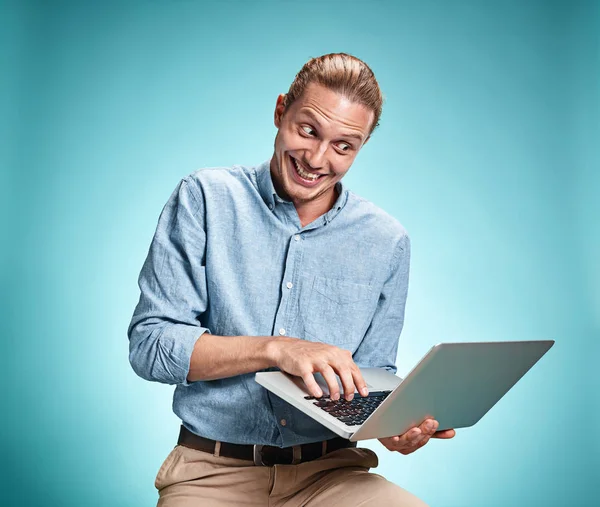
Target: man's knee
[390,494]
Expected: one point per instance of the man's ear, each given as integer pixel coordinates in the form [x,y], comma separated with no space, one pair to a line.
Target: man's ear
[279,109]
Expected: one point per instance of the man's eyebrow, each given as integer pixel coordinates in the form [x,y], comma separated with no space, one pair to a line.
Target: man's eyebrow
[314,118]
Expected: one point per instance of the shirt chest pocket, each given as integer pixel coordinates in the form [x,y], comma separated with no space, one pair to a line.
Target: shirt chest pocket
[338,312]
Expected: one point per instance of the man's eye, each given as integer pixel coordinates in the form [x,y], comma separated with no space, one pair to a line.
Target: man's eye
[345,146]
[308,130]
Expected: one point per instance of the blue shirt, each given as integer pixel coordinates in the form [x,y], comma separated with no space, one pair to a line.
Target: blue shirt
[230,257]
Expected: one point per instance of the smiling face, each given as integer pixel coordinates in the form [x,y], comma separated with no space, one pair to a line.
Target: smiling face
[319,136]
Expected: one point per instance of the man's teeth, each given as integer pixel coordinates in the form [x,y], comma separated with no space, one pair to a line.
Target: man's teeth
[303,173]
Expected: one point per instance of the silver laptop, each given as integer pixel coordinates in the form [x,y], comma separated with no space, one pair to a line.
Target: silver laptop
[454,383]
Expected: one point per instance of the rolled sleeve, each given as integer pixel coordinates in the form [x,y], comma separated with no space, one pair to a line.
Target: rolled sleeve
[167,320]
[379,347]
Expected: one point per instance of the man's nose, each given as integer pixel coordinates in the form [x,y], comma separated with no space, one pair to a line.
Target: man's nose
[316,156]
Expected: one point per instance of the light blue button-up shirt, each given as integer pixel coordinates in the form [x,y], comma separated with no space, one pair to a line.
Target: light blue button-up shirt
[230,257]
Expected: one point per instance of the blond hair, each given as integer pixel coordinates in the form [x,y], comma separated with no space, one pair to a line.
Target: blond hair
[344,74]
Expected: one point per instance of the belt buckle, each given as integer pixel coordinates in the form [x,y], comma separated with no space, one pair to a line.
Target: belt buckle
[257,454]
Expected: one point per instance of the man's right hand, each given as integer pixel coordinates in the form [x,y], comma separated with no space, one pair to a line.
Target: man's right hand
[304,358]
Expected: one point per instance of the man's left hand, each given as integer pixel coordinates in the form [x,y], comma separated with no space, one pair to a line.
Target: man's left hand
[416,437]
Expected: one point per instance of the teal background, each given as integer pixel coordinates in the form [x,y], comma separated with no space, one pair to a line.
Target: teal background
[487,153]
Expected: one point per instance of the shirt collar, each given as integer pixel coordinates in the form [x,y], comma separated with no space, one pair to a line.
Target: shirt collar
[271,198]
[340,202]
[265,184]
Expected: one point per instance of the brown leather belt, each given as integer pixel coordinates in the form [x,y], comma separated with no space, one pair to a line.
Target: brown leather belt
[266,455]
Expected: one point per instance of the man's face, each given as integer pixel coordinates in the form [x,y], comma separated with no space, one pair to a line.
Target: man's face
[319,136]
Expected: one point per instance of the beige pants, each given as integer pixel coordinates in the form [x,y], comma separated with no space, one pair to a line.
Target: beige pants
[191,478]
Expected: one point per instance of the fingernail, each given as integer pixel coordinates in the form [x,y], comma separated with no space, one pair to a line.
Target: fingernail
[335,397]
[350,397]
[364,391]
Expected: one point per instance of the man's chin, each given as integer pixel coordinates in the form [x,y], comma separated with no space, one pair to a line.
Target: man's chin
[304,197]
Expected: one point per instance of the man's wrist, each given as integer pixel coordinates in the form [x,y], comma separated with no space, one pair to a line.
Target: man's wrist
[273,349]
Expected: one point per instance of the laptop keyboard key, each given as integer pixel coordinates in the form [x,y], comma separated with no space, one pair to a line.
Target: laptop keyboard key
[352,412]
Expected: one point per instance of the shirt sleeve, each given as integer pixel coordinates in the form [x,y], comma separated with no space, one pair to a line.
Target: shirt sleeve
[379,347]
[167,320]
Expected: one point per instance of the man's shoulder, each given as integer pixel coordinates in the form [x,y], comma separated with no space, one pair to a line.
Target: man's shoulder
[220,184]
[370,216]
[222,174]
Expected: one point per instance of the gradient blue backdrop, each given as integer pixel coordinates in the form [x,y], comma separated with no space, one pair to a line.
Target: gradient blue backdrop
[487,153]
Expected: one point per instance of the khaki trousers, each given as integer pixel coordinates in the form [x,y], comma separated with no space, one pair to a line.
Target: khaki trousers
[191,478]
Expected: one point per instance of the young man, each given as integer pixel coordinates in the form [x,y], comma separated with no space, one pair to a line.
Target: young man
[277,266]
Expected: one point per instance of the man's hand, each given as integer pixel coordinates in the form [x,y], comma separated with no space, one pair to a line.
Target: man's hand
[416,437]
[303,358]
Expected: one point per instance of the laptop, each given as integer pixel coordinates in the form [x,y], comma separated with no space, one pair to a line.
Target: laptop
[454,383]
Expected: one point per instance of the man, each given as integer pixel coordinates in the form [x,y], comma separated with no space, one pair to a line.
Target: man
[277,266]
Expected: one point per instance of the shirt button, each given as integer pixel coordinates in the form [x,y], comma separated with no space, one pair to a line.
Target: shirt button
[282,331]
[289,285]
[283,422]
[297,237]
[270,206]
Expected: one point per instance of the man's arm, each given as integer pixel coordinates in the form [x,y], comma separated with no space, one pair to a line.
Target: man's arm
[379,346]
[217,357]
[225,356]
[167,342]
[167,320]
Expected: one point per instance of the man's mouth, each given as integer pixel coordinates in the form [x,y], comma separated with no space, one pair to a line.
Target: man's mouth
[303,174]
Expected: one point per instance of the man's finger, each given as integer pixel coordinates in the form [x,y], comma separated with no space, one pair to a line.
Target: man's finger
[409,438]
[359,382]
[409,445]
[330,378]
[347,383]
[444,434]
[416,437]
[417,445]
[311,385]
[428,426]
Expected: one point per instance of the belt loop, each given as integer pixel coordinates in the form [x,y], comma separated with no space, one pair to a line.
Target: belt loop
[297,450]
[217,452]
[324,448]
[257,452]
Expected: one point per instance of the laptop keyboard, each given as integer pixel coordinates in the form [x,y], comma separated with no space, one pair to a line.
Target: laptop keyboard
[352,412]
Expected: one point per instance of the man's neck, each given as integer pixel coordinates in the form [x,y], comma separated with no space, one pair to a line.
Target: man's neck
[311,210]
[308,211]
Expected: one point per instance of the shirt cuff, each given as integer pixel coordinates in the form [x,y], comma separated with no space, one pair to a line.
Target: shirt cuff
[179,341]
